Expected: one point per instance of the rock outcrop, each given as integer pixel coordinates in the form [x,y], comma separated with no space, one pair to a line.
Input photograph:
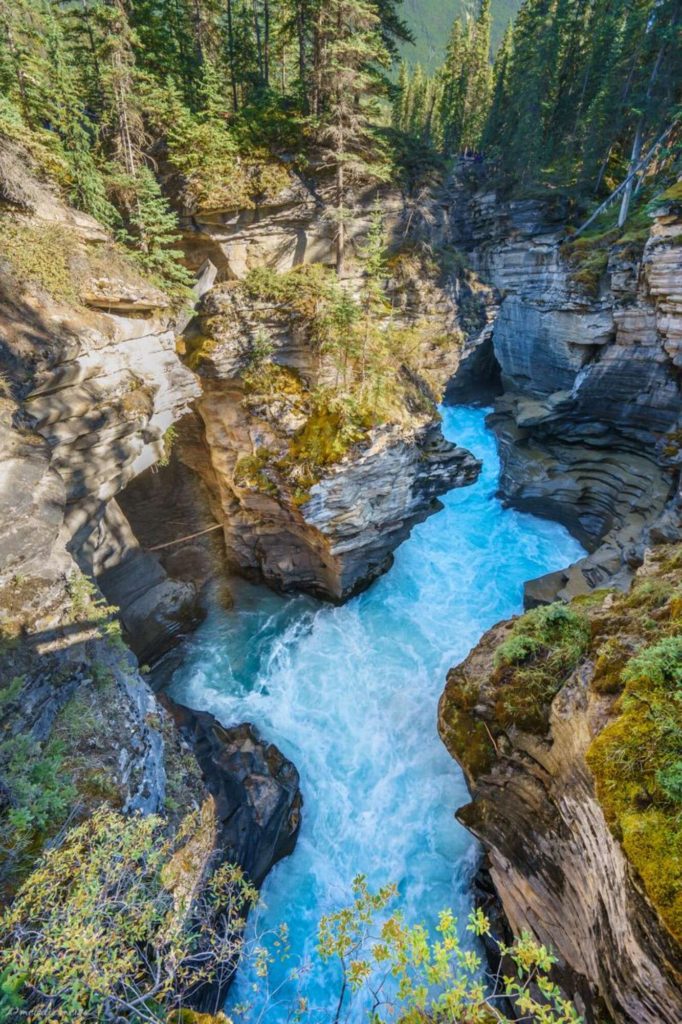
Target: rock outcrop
[331,528]
[254,787]
[566,795]
[88,346]
[91,386]
[587,342]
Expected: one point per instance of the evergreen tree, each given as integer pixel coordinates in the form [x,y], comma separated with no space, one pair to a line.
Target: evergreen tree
[351,49]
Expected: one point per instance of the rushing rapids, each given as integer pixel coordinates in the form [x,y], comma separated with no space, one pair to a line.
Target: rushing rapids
[349,694]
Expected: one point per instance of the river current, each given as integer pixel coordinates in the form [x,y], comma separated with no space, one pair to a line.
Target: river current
[350,694]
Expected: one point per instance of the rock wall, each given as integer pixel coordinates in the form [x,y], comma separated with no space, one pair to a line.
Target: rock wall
[90,385]
[555,853]
[587,341]
[334,536]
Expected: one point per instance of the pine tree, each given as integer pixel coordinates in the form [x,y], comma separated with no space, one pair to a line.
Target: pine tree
[497,124]
[152,229]
[351,50]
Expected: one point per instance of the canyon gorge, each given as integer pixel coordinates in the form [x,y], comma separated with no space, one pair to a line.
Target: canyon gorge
[165,461]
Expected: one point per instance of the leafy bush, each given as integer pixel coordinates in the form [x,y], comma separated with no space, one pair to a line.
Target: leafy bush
[118,923]
[407,976]
[102,930]
[533,663]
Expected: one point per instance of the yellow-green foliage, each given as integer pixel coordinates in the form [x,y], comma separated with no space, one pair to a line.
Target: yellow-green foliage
[252,471]
[53,257]
[544,647]
[384,371]
[216,176]
[636,760]
[674,193]
[40,253]
[102,923]
[589,257]
[332,428]
[89,607]
[438,979]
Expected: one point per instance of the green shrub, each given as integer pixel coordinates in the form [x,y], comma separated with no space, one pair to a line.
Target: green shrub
[534,662]
[101,931]
[636,760]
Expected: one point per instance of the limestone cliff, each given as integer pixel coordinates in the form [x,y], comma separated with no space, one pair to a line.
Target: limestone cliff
[90,385]
[314,488]
[567,726]
[587,342]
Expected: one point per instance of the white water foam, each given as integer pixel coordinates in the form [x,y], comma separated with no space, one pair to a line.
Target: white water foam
[350,695]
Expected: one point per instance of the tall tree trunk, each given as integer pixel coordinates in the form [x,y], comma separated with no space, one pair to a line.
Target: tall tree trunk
[341,227]
[639,132]
[634,160]
[230,54]
[302,73]
[266,42]
[259,42]
[317,62]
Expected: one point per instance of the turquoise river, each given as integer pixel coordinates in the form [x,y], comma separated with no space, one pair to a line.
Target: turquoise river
[350,695]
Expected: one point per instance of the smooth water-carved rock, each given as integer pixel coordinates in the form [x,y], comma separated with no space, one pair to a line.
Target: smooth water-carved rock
[591,405]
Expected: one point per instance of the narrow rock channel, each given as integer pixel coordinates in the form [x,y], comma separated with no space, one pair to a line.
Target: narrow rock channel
[350,695]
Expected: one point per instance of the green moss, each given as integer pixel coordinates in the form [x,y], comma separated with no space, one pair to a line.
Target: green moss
[674,193]
[251,472]
[466,737]
[544,647]
[169,438]
[611,659]
[41,253]
[198,350]
[588,256]
[636,760]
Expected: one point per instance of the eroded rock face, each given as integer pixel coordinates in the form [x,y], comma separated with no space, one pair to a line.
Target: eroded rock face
[333,536]
[92,394]
[255,789]
[555,860]
[99,381]
[294,226]
[591,400]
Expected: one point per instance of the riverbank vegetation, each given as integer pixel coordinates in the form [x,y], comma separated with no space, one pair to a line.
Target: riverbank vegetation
[628,649]
[108,929]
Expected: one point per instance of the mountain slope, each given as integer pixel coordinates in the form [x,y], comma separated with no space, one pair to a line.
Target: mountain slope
[431,21]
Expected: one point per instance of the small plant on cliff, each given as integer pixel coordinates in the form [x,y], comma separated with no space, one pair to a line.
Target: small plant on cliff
[532,664]
[89,607]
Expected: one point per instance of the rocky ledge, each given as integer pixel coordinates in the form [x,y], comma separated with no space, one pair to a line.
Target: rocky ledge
[587,347]
[315,489]
[567,726]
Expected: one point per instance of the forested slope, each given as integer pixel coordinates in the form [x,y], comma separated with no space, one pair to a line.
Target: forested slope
[430,22]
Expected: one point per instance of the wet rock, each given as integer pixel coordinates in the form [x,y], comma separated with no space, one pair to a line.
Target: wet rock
[255,789]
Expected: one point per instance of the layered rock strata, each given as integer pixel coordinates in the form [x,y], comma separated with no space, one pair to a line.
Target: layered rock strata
[572,826]
[331,534]
[90,386]
[587,342]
